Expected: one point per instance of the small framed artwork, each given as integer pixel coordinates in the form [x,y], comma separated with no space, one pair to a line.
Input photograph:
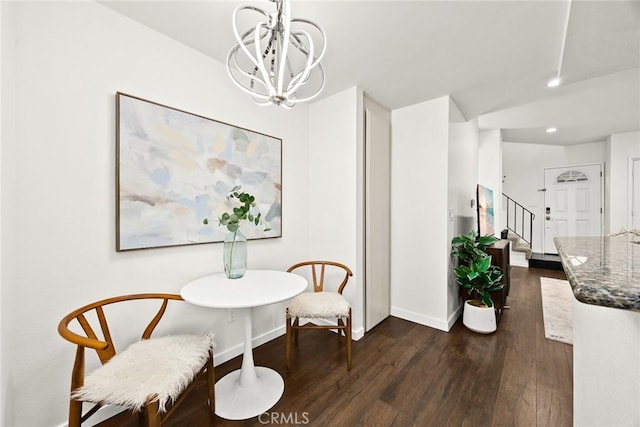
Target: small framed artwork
[175,169]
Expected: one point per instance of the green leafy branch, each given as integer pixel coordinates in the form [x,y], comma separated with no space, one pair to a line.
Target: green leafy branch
[240,213]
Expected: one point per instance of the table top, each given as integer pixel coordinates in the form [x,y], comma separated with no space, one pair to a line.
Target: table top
[603,270]
[256,288]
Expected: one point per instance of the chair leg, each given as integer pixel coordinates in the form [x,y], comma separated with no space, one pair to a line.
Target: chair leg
[340,328]
[288,342]
[152,409]
[75,413]
[296,325]
[348,332]
[77,380]
[211,385]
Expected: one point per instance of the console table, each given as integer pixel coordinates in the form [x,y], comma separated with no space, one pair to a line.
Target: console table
[499,252]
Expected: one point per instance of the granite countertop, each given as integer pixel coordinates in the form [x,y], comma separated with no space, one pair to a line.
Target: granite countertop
[603,271]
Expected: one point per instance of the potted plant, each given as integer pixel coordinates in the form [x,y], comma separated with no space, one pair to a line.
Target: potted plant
[235,244]
[478,277]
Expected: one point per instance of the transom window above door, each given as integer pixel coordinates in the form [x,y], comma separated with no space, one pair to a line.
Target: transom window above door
[572,176]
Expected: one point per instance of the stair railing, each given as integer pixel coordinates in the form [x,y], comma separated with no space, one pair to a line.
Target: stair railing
[523,228]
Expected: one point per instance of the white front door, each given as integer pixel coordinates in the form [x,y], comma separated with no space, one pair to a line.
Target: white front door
[573,203]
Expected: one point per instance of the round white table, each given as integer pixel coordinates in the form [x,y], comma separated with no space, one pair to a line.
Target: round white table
[249,391]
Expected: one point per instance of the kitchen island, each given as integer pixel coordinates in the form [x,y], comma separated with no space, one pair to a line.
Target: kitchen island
[604,273]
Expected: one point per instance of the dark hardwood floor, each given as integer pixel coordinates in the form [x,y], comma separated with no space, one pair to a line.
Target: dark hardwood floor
[406,374]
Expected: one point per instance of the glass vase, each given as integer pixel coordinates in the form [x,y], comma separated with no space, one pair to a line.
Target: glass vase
[235,255]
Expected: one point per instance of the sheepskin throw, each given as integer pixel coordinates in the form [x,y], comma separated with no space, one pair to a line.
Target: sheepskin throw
[319,305]
[164,366]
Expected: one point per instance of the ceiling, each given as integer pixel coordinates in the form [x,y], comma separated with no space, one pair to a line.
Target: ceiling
[493,57]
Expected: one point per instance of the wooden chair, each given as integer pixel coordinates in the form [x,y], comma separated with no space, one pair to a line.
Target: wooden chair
[150,374]
[320,304]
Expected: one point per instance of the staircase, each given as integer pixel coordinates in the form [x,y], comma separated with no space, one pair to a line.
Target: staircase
[531,259]
[520,232]
[520,250]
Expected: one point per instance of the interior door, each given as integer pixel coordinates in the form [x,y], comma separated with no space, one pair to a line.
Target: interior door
[377,152]
[573,203]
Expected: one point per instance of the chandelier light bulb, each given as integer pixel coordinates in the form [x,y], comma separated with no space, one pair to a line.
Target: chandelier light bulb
[276,61]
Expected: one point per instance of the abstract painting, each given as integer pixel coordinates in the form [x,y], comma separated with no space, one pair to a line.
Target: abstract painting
[175,169]
[486,220]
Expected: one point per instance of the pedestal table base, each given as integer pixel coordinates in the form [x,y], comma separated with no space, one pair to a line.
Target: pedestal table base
[234,402]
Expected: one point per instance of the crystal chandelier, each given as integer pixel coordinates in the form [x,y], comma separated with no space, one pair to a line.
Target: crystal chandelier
[276,61]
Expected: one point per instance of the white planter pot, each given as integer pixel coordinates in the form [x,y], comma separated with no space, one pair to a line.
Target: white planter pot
[479,319]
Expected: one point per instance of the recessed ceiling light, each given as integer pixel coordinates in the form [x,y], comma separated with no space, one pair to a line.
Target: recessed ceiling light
[553,82]
[551,130]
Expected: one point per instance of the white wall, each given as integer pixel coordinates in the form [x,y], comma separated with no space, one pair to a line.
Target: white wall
[490,171]
[6,50]
[463,159]
[462,174]
[523,170]
[4,36]
[419,204]
[335,179]
[70,59]
[7,216]
[620,148]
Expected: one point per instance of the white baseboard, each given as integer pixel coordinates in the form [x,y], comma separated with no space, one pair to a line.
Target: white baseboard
[226,355]
[357,334]
[454,316]
[230,353]
[431,322]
